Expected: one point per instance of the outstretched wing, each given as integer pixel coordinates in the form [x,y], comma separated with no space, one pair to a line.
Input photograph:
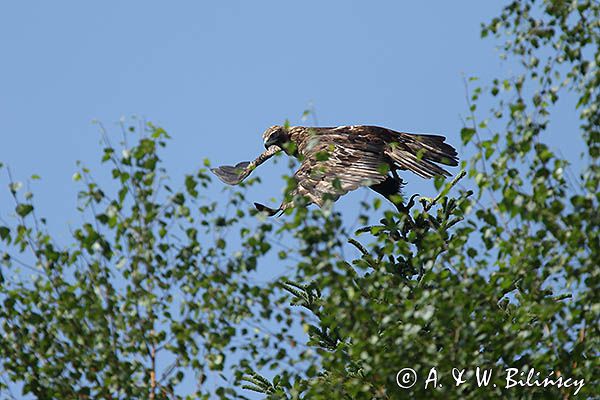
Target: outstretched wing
[232,175]
[418,153]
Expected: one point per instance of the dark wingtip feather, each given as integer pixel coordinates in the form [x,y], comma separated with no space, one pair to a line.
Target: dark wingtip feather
[440,151]
[262,208]
[242,165]
[421,154]
[227,174]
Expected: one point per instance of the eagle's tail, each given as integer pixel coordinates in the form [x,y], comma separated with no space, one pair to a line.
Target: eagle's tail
[420,153]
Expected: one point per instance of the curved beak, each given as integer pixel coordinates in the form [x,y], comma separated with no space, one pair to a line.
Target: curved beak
[270,142]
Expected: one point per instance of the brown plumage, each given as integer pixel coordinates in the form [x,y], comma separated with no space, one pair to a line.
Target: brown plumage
[335,161]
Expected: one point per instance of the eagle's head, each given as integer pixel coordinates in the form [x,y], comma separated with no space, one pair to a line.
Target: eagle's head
[275,136]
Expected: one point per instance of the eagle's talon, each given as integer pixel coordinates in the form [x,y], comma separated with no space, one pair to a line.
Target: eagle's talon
[411,201]
[262,208]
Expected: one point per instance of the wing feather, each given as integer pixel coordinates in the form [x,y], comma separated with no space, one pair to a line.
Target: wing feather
[349,166]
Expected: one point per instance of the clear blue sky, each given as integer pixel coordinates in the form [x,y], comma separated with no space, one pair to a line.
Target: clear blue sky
[215,74]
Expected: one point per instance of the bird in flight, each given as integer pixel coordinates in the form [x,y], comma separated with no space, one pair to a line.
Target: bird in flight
[335,161]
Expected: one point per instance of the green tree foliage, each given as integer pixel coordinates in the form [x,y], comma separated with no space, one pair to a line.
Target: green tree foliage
[146,294]
[500,270]
[505,278]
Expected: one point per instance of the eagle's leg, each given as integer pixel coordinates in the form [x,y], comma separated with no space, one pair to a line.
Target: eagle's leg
[390,187]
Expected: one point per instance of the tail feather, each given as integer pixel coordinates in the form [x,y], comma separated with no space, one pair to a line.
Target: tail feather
[438,150]
[419,153]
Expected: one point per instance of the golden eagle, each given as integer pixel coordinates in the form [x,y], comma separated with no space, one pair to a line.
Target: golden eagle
[335,161]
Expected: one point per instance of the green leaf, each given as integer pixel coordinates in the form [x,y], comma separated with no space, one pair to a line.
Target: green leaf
[466,134]
[4,232]
[24,209]
[322,155]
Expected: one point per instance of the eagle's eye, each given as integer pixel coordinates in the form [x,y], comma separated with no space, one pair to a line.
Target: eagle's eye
[272,137]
